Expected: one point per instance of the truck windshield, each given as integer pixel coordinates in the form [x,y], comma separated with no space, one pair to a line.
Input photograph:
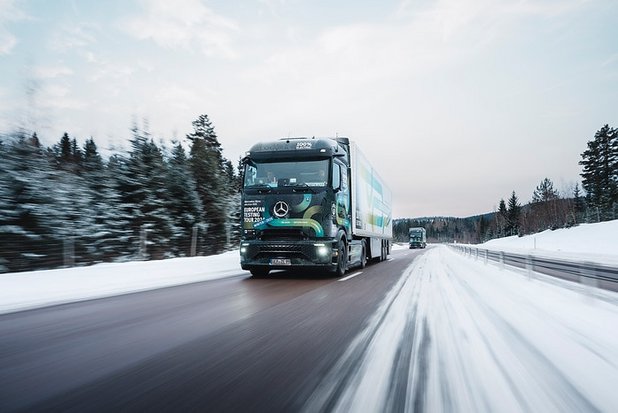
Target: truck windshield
[288,173]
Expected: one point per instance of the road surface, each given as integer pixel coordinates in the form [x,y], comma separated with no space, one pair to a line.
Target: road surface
[234,344]
[428,330]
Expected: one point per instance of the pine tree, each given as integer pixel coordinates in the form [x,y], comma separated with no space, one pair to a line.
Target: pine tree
[92,160]
[28,209]
[513,215]
[65,148]
[600,171]
[578,203]
[501,218]
[545,191]
[544,208]
[144,196]
[76,154]
[108,234]
[67,154]
[121,242]
[185,205]
[207,166]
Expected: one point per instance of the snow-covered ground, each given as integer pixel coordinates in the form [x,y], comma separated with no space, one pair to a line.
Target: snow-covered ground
[590,242]
[464,336]
[24,290]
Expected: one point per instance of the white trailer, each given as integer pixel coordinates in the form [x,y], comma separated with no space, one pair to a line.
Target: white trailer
[371,206]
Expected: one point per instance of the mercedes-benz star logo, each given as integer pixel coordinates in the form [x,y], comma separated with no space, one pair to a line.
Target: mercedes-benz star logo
[281,209]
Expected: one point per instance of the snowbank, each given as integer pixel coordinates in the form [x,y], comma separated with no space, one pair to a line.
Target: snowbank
[25,290]
[592,242]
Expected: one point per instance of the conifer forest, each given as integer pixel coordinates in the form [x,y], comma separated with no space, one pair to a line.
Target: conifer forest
[67,205]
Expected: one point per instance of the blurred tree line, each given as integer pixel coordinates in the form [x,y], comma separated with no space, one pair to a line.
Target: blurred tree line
[66,205]
[595,201]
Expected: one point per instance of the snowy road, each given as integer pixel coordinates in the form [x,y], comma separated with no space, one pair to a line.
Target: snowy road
[426,331]
[456,335]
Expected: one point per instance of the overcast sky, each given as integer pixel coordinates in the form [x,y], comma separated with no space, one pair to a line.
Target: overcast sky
[456,102]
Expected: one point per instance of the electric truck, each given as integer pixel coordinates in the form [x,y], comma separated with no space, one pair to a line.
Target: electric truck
[418,237]
[312,203]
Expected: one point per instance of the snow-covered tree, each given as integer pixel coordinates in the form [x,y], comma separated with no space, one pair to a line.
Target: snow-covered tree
[144,195]
[501,218]
[109,227]
[600,171]
[207,166]
[513,215]
[28,209]
[185,206]
[544,210]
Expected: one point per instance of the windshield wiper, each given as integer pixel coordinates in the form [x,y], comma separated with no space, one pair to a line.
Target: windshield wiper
[260,187]
[302,187]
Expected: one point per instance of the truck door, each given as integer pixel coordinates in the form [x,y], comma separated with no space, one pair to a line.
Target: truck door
[342,196]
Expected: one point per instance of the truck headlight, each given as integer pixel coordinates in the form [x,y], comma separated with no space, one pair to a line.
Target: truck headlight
[322,250]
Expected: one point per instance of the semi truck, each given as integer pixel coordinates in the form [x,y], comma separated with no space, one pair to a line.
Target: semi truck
[312,203]
[418,237]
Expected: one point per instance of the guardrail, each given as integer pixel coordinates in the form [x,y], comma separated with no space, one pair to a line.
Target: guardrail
[584,272]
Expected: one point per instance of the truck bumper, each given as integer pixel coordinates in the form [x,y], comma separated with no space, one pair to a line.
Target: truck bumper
[287,254]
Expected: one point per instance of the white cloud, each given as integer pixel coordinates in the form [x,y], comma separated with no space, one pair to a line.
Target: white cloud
[187,24]
[8,13]
[58,96]
[105,69]
[179,98]
[73,37]
[453,17]
[273,5]
[7,42]
[50,72]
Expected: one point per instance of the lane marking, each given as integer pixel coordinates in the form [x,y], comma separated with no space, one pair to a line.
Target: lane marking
[350,276]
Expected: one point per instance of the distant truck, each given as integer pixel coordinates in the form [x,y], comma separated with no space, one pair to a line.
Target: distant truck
[418,237]
[312,203]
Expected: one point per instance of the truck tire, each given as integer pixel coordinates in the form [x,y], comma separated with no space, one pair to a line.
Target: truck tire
[363,259]
[259,272]
[342,258]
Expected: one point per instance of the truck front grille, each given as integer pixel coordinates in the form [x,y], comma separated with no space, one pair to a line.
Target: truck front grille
[282,234]
[287,250]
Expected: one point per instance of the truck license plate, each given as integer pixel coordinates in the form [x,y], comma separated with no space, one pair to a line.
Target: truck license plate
[280,261]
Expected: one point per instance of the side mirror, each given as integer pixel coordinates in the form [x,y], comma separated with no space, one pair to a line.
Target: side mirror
[336,177]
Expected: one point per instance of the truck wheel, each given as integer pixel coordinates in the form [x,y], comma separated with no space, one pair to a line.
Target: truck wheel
[259,272]
[363,259]
[342,258]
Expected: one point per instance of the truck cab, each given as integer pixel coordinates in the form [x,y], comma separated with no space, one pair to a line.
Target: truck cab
[418,237]
[296,205]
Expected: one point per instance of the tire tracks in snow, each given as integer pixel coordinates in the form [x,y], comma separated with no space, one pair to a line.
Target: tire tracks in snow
[534,363]
[373,374]
[441,342]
